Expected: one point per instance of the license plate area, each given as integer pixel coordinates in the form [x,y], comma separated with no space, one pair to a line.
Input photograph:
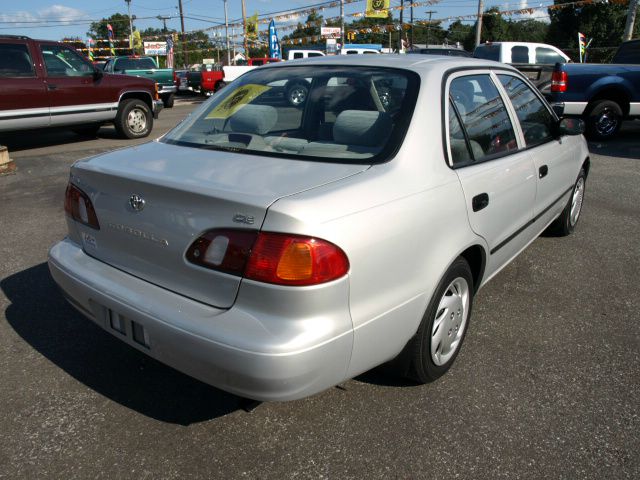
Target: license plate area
[126,327]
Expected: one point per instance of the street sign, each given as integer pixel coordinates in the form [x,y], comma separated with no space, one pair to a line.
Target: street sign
[155,48]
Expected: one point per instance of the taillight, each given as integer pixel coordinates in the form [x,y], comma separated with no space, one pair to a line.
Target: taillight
[79,207]
[277,258]
[175,78]
[559,81]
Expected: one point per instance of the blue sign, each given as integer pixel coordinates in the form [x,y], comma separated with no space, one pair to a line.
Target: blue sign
[274,44]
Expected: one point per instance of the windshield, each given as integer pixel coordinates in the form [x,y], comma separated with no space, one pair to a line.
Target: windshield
[329,113]
[487,52]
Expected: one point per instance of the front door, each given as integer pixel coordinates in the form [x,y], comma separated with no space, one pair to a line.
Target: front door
[77,96]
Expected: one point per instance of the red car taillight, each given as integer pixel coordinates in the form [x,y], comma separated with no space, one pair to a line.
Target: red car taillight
[175,78]
[559,81]
[79,207]
[277,258]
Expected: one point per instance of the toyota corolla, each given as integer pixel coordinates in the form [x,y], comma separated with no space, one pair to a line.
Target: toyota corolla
[275,250]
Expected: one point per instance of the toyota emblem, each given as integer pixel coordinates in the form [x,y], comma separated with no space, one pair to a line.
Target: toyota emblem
[136,202]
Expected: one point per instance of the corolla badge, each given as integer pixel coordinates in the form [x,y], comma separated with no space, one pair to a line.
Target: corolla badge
[136,202]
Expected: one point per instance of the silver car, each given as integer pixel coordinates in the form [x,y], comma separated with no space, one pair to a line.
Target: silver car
[275,251]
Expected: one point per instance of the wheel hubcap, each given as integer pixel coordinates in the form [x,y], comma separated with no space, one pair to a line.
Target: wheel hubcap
[137,120]
[576,201]
[607,122]
[450,322]
[298,96]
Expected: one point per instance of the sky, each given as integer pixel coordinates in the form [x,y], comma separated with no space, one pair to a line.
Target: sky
[64,18]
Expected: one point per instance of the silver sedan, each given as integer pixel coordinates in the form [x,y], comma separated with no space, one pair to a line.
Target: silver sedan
[275,250]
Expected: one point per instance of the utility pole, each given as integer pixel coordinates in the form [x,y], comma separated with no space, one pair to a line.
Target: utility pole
[244,28]
[164,22]
[226,32]
[479,22]
[184,40]
[631,19]
[130,24]
[401,25]
[342,23]
[430,12]
[411,23]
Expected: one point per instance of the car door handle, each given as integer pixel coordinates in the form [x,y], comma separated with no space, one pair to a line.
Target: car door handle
[542,171]
[51,87]
[479,202]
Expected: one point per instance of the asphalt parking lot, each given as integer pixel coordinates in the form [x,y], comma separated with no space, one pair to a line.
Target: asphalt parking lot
[547,384]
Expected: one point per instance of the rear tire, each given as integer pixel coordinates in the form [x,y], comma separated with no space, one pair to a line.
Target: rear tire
[566,223]
[603,120]
[168,100]
[439,338]
[134,119]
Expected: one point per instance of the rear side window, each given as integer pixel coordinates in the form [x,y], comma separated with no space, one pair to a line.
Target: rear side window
[487,52]
[535,119]
[314,54]
[484,118]
[548,56]
[15,61]
[519,54]
[628,52]
[298,55]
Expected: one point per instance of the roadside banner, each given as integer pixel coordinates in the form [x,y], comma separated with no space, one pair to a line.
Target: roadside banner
[90,49]
[252,26]
[110,35]
[155,48]
[274,44]
[330,31]
[169,47]
[377,9]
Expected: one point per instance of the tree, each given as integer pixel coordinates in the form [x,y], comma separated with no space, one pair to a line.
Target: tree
[494,27]
[463,34]
[528,30]
[119,22]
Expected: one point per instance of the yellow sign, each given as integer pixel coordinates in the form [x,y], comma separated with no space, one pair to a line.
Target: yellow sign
[377,9]
[238,98]
[252,26]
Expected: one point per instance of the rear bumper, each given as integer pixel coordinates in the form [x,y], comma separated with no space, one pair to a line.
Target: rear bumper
[157,107]
[235,350]
[167,89]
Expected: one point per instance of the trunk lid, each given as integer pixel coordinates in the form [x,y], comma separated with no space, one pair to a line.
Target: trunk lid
[186,191]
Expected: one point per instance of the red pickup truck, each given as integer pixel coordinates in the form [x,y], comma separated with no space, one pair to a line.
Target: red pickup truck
[48,84]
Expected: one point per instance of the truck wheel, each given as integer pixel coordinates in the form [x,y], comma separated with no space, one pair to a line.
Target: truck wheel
[134,119]
[167,100]
[603,120]
[218,86]
[297,94]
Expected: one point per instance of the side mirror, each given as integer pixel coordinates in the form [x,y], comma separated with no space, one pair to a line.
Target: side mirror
[570,126]
[97,74]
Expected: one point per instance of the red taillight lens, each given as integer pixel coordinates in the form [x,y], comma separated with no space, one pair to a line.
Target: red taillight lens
[175,78]
[79,207]
[277,258]
[223,250]
[559,81]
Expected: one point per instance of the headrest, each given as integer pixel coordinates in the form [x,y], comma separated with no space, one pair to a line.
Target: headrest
[361,127]
[258,119]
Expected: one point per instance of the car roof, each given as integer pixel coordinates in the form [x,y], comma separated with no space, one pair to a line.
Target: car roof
[417,63]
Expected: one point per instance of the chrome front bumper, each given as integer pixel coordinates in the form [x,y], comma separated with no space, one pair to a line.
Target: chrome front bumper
[265,358]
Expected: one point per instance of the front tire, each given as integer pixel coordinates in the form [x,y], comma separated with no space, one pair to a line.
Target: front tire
[442,330]
[134,119]
[603,120]
[566,223]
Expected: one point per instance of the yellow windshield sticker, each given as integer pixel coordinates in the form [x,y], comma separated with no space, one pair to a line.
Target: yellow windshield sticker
[240,97]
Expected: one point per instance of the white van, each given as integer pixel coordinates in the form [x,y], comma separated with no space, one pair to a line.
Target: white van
[358,51]
[298,54]
[521,52]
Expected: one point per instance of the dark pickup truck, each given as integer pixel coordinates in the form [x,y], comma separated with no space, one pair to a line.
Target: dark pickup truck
[602,94]
[48,84]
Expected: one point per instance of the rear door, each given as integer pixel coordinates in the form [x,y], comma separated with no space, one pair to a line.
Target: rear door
[75,95]
[496,173]
[23,95]
[555,159]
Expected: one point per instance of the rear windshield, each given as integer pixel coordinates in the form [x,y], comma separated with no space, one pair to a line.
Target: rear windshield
[134,64]
[487,52]
[327,113]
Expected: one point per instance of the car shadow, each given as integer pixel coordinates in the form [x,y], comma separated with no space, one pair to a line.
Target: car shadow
[41,316]
[625,145]
[27,140]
